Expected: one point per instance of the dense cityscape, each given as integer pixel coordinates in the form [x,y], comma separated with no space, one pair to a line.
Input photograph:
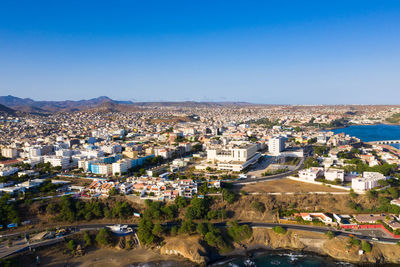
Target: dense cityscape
[199,133]
[143,177]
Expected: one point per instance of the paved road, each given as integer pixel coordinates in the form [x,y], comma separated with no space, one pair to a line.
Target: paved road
[21,246]
[270,177]
[323,230]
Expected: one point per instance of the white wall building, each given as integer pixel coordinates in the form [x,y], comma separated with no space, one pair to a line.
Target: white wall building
[9,152]
[367,182]
[56,161]
[333,174]
[276,145]
[233,158]
[121,166]
[311,174]
[34,152]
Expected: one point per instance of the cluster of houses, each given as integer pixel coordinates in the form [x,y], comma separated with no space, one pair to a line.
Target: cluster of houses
[367,181]
[349,221]
[147,187]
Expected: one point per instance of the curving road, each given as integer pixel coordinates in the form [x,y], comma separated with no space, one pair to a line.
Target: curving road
[6,252]
[270,177]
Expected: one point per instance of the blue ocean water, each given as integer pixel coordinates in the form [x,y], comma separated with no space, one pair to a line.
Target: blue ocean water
[369,133]
[287,259]
[282,258]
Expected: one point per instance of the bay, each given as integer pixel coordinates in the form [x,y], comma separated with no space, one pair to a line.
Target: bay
[368,133]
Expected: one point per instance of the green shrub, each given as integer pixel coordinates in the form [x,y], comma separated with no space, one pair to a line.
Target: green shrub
[104,237]
[87,238]
[279,230]
[366,246]
[71,245]
[258,206]
[330,234]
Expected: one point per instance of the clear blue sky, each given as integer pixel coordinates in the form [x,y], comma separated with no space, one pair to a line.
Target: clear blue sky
[296,52]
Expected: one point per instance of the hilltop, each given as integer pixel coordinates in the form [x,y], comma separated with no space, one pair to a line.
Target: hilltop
[6,110]
[32,106]
[99,104]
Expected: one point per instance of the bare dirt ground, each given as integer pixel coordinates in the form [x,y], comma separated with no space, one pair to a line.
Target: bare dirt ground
[287,185]
[105,257]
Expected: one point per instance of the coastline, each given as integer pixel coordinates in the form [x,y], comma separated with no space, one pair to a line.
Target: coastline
[190,250]
[256,251]
[266,240]
[373,124]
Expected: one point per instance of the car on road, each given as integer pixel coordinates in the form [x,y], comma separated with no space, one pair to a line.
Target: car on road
[375,239]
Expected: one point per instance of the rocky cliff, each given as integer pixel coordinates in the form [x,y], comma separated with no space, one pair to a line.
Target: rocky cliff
[192,248]
[189,247]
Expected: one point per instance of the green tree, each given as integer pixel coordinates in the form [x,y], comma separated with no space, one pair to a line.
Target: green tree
[87,238]
[122,210]
[310,162]
[181,202]
[52,208]
[353,242]
[201,229]
[145,231]
[157,230]
[187,227]
[104,237]
[238,232]
[228,196]
[71,245]
[394,193]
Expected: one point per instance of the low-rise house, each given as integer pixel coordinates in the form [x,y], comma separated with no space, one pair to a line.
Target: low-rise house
[370,218]
[311,174]
[315,216]
[333,174]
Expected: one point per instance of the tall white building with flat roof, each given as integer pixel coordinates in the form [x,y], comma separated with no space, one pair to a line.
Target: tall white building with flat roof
[369,181]
[276,145]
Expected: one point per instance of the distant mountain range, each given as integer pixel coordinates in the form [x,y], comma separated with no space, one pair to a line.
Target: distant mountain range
[31,106]
[98,104]
[6,110]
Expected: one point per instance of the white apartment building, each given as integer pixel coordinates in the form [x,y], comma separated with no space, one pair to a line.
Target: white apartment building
[111,149]
[121,166]
[367,182]
[163,152]
[93,153]
[63,153]
[276,145]
[84,164]
[104,169]
[186,145]
[9,152]
[56,161]
[34,152]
